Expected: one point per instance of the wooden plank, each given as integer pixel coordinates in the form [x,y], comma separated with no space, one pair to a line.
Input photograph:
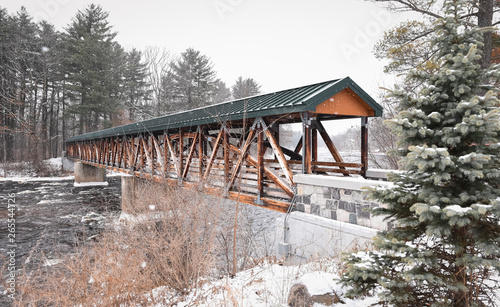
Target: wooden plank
[190,157]
[181,154]
[306,149]
[214,152]
[268,173]
[243,152]
[279,154]
[160,157]
[226,155]
[314,151]
[364,145]
[260,161]
[173,156]
[336,170]
[200,153]
[326,138]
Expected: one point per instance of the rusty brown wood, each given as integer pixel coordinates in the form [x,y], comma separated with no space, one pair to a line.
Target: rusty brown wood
[181,154]
[336,170]
[215,148]
[314,152]
[267,172]
[200,152]
[165,157]
[241,157]
[190,156]
[364,145]
[278,153]
[329,144]
[159,155]
[173,156]
[307,144]
[260,160]
[226,155]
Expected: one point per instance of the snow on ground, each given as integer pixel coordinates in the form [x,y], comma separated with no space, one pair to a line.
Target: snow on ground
[267,284]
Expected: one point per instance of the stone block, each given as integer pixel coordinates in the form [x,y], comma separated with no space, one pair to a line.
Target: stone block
[315,209]
[353,219]
[300,189]
[335,193]
[306,199]
[326,213]
[331,204]
[333,215]
[308,189]
[363,212]
[299,207]
[347,206]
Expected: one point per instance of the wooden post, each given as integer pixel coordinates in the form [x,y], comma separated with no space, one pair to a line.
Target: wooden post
[226,156]
[314,138]
[260,160]
[307,140]
[181,149]
[364,145]
[200,153]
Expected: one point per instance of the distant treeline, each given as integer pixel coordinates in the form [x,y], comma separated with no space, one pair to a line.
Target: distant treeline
[54,85]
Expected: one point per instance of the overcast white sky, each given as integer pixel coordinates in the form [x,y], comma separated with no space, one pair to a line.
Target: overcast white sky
[279,43]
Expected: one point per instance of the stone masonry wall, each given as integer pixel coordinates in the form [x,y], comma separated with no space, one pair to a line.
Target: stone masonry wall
[345,204]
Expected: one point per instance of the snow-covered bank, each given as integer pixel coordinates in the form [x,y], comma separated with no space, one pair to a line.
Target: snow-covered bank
[267,284]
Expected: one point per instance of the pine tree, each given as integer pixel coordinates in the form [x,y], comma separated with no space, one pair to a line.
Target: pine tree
[245,88]
[135,91]
[194,80]
[93,63]
[445,247]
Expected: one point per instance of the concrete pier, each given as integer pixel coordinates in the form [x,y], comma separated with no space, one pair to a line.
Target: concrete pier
[129,183]
[89,174]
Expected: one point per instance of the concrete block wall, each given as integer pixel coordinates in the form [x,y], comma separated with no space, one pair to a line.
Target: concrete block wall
[338,198]
[310,236]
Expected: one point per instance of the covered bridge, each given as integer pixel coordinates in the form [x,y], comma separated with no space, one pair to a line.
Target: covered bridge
[233,149]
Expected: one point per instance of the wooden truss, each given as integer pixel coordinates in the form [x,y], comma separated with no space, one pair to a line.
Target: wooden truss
[242,162]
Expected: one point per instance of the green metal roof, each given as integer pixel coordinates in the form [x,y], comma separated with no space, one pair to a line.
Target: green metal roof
[299,99]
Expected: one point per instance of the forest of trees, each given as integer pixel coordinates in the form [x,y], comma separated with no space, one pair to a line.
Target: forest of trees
[54,85]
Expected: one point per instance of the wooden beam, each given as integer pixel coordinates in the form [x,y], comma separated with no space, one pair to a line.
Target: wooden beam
[243,152]
[190,156]
[314,152]
[267,172]
[226,155]
[172,153]
[181,154]
[260,160]
[159,155]
[307,140]
[278,153]
[364,145]
[329,144]
[214,152]
[200,152]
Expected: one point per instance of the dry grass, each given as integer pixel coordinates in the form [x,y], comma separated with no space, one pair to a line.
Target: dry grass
[172,246]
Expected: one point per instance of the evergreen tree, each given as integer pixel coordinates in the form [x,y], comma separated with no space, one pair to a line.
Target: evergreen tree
[93,64]
[194,80]
[445,246]
[245,88]
[135,90]
[221,93]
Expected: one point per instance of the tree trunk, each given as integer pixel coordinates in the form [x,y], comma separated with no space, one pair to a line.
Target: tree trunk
[484,19]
